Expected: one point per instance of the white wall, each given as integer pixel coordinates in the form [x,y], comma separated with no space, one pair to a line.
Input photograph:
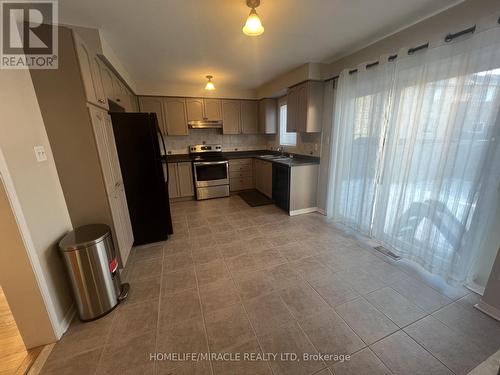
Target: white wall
[36,184]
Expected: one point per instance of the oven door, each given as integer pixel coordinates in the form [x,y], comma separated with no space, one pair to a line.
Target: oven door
[211,173]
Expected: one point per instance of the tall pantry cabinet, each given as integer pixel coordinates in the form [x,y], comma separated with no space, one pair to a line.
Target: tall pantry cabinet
[74,106]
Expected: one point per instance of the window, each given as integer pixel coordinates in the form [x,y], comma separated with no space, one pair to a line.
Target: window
[286,139]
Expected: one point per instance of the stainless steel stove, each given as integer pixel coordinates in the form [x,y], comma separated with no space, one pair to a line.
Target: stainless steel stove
[211,171]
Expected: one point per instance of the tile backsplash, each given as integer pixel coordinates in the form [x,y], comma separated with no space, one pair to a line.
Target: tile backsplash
[307,144]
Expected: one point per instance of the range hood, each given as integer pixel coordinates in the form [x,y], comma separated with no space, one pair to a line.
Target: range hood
[205,124]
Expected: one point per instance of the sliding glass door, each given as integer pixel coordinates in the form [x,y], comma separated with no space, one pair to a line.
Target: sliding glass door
[418,159]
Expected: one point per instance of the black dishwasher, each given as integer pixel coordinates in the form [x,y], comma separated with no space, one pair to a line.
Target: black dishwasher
[281,186]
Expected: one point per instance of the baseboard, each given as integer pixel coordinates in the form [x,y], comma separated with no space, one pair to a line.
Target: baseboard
[488,309]
[65,323]
[303,211]
[321,211]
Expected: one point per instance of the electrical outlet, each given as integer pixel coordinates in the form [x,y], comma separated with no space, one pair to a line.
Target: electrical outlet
[40,153]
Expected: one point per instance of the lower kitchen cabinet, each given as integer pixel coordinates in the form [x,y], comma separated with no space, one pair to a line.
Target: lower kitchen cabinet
[264,177]
[241,176]
[180,180]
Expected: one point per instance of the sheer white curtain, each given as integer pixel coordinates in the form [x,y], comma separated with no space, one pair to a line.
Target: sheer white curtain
[425,192]
[361,108]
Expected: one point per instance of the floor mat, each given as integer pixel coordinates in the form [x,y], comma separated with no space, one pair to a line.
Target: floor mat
[255,198]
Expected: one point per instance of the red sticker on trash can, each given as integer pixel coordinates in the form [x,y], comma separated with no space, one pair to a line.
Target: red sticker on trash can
[113,265]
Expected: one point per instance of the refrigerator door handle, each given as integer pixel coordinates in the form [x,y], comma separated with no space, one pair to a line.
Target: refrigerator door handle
[164,149]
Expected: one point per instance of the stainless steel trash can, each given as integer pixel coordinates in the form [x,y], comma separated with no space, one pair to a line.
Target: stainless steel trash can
[92,264]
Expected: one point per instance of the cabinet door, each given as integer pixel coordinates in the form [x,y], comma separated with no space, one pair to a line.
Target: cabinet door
[173,181]
[213,109]
[154,104]
[291,110]
[176,119]
[249,117]
[266,170]
[268,116]
[194,108]
[185,179]
[301,116]
[98,83]
[87,67]
[107,81]
[258,175]
[231,117]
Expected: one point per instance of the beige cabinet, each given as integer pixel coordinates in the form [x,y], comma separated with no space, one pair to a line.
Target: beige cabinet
[305,107]
[204,109]
[110,165]
[292,109]
[90,72]
[180,180]
[213,109]
[249,117]
[176,117]
[268,116]
[241,175]
[231,117]
[154,104]
[195,111]
[264,177]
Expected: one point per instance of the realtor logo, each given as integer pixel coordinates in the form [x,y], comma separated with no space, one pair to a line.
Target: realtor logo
[28,34]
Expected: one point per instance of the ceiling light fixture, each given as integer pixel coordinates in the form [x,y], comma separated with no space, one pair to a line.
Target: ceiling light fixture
[210,85]
[253,26]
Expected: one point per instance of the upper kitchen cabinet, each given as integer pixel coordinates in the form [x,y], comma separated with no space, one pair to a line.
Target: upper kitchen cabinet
[231,117]
[176,116]
[195,110]
[305,107]
[203,109]
[90,72]
[156,105]
[213,109]
[268,116]
[249,117]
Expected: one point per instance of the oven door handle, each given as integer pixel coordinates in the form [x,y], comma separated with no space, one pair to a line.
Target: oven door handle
[209,162]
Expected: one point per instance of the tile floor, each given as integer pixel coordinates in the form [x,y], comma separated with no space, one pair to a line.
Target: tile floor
[235,279]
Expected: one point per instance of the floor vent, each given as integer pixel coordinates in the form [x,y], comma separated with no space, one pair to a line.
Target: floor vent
[387,252]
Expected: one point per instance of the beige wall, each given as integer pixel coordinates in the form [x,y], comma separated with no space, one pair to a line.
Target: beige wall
[166,89]
[36,184]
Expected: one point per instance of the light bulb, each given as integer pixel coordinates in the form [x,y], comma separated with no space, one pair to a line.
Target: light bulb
[253,26]
[210,85]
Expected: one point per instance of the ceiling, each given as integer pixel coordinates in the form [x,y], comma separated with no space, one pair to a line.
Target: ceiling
[180,41]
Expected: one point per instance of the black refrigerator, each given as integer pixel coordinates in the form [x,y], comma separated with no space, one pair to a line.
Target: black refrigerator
[138,141]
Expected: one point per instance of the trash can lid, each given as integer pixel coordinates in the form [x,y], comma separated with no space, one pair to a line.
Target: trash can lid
[83,237]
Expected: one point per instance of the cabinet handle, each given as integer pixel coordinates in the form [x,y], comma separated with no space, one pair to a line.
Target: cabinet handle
[101,101]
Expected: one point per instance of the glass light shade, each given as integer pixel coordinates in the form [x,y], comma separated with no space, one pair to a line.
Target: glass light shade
[210,86]
[253,26]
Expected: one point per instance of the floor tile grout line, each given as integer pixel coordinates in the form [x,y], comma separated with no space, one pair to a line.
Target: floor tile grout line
[202,312]
[246,314]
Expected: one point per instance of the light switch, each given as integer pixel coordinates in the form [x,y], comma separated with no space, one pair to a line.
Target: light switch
[40,153]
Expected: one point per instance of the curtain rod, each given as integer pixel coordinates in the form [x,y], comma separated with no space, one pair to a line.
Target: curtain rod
[449,37]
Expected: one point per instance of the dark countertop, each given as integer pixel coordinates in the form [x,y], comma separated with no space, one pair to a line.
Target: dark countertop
[295,161]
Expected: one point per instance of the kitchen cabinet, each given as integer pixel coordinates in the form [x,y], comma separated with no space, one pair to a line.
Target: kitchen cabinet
[268,108]
[107,80]
[204,109]
[176,117]
[213,109]
[264,177]
[180,180]
[249,117]
[154,104]
[185,179]
[305,107]
[110,166]
[195,111]
[231,117]
[90,72]
[241,176]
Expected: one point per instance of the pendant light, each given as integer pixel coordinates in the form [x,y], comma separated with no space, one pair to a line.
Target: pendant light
[253,26]
[210,85]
